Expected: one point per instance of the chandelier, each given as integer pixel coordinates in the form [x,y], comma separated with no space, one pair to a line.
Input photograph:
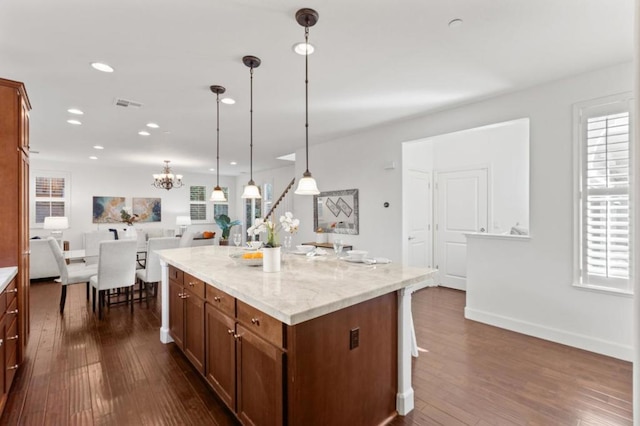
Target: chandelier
[166,179]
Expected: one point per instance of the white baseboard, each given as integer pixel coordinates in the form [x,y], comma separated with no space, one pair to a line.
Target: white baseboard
[580,341]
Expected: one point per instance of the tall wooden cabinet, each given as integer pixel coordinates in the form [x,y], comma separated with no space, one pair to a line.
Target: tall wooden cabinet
[14,193]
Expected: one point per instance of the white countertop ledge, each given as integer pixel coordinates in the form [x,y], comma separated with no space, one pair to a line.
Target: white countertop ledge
[6,275]
[508,237]
[305,288]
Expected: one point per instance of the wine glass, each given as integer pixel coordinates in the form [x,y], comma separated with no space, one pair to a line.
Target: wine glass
[237,239]
[337,246]
[287,242]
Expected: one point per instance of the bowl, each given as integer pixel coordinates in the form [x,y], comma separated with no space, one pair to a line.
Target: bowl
[357,254]
[255,244]
[304,248]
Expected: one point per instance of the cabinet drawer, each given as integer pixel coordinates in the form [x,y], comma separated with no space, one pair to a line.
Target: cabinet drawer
[175,274]
[10,293]
[3,303]
[221,300]
[12,311]
[260,323]
[194,285]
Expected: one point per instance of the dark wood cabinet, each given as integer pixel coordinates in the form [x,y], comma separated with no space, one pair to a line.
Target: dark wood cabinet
[260,375]
[221,354]
[339,368]
[14,215]
[186,316]
[8,339]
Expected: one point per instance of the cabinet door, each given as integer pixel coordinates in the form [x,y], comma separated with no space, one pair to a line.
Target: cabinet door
[194,329]
[221,354]
[176,313]
[23,247]
[260,389]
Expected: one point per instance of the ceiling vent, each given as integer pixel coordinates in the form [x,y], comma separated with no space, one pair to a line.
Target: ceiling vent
[127,103]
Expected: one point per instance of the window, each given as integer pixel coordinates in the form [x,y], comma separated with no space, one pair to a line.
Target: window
[605,135]
[198,203]
[50,195]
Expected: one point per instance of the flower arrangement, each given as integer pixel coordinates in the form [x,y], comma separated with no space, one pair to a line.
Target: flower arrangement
[287,223]
[128,218]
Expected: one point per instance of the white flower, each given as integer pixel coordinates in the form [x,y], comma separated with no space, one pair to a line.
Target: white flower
[289,224]
[258,227]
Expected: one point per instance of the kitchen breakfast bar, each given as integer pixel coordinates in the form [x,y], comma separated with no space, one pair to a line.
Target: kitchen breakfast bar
[322,342]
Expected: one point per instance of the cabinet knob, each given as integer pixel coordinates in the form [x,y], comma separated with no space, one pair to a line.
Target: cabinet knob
[191,284]
[216,298]
[13,367]
[14,290]
[230,331]
[15,311]
[13,337]
[1,342]
[255,321]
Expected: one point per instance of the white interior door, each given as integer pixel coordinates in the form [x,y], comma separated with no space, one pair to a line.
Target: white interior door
[419,217]
[461,207]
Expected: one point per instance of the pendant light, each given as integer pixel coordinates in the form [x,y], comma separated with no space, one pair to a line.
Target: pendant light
[251,190]
[218,195]
[307,18]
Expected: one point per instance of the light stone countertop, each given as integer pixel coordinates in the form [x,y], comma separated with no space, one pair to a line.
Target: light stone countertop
[6,275]
[305,288]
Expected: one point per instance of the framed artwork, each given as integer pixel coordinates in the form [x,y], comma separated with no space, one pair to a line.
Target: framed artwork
[107,209]
[336,211]
[147,209]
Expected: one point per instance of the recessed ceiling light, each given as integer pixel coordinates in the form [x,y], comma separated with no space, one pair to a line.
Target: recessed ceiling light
[93,157]
[98,147]
[233,163]
[76,122]
[75,111]
[228,101]
[152,125]
[301,48]
[455,23]
[143,133]
[288,157]
[102,67]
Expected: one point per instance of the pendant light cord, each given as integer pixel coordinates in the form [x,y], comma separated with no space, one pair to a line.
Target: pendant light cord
[251,129]
[306,94]
[217,140]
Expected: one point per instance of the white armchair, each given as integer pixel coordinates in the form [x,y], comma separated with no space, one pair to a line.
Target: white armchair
[42,264]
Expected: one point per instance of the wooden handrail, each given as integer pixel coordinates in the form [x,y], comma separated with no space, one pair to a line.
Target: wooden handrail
[284,193]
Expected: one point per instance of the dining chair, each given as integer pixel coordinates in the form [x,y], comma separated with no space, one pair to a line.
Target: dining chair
[116,269]
[150,276]
[74,273]
[91,243]
[186,240]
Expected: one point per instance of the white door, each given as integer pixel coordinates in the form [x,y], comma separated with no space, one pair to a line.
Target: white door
[461,207]
[419,216]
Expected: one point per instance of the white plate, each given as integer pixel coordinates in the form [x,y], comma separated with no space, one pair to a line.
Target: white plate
[352,260]
[300,252]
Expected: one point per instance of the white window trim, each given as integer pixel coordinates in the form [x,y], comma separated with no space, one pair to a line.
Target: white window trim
[33,174]
[608,103]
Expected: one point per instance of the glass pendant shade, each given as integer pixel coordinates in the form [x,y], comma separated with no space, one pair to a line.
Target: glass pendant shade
[218,195]
[251,191]
[307,186]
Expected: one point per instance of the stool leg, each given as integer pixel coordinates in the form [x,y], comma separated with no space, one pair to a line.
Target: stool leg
[63,298]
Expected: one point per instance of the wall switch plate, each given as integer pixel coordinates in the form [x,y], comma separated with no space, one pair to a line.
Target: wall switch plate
[354,338]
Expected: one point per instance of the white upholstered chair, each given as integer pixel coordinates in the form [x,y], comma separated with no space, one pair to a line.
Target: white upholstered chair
[73,273]
[116,269]
[186,240]
[92,242]
[150,276]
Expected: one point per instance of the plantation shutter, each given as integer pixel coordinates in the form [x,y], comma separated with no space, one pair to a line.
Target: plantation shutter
[50,197]
[198,204]
[605,200]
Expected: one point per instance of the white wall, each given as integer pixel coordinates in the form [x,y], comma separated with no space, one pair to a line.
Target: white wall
[91,179]
[533,286]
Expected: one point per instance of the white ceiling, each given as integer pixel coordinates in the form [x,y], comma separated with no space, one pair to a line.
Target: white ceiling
[376,61]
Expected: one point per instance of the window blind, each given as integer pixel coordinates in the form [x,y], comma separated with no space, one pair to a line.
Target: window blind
[605,202]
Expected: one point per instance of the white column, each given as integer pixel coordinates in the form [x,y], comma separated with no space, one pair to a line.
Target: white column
[404,397]
[635,212]
[164,328]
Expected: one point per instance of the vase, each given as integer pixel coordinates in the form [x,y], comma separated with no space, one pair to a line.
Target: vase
[271,259]
[321,237]
[223,242]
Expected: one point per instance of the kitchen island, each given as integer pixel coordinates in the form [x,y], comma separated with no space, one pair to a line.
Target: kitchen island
[323,341]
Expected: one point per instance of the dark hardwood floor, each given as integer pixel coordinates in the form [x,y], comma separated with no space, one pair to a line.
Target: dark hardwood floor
[83,371]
